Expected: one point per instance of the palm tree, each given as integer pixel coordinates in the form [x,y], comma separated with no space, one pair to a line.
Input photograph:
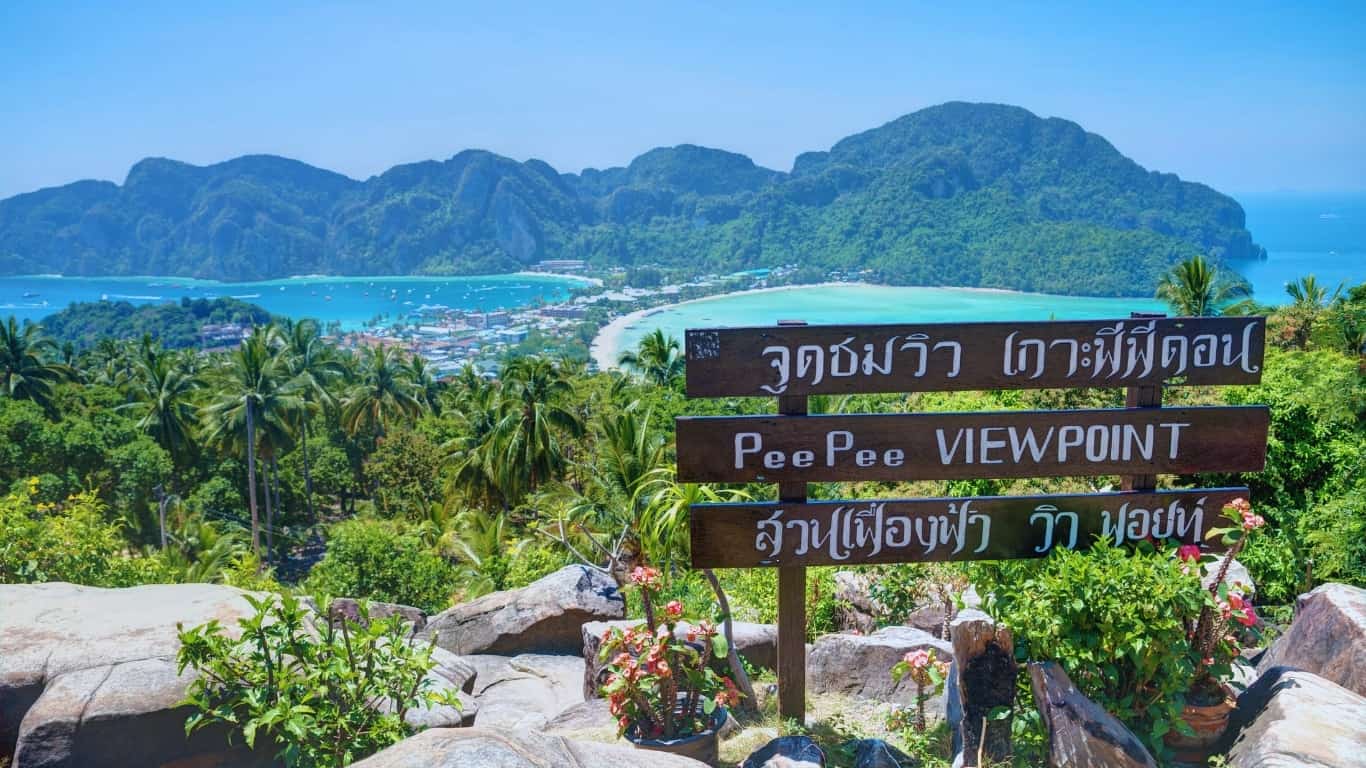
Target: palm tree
[384,395]
[313,367]
[428,388]
[251,393]
[478,471]
[533,417]
[1195,288]
[163,392]
[1309,293]
[657,357]
[26,371]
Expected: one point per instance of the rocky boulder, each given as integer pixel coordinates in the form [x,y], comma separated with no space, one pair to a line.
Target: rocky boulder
[545,616]
[755,643]
[861,665]
[350,609]
[88,675]
[1327,637]
[787,752]
[525,692]
[500,748]
[1289,717]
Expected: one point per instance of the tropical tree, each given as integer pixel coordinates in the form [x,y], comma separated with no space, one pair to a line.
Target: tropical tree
[314,368]
[1195,288]
[428,389]
[383,394]
[534,389]
[1309,293]
[477,469]
[163,392]
[26,370]
[658,358]
[251,393]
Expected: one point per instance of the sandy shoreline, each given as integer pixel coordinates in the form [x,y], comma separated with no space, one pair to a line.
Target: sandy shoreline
[606,346]
[562,275]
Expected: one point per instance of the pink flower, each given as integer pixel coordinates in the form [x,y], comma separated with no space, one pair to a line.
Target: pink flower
[645,577]
[1252,522]
[674,608]
[1248,617]
[917,659]
[1188,552]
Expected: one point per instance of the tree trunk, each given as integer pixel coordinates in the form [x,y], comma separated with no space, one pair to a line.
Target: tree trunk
[270,518]
[737,670]
[308,473]
[279,509]
[251,483]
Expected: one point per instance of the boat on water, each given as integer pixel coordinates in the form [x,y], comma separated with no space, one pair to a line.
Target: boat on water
[30,294]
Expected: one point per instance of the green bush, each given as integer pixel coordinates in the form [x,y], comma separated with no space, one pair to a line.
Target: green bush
[382,560]
[70,541]
[1112,619]
[324,696]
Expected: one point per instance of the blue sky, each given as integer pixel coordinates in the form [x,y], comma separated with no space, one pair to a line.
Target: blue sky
[1247,97]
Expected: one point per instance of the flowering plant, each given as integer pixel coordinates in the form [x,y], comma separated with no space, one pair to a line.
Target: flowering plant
[928,675]
[1214,644]
[659,683]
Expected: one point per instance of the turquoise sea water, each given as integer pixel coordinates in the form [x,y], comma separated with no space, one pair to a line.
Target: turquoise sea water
[875,304]
[350,300]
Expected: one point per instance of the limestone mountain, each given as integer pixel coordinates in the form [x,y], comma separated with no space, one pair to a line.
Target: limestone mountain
[957,194]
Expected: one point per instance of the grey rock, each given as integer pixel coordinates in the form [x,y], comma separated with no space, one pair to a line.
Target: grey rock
[545,616]
[1237,574]
[349,608]
[88,675]
[876,753]
[586,717]
[1080,733]
[755,643]
[1290,717]
[501,748]
[456,671]
[787,752]
[1327,637]
[526,692]
[860,665]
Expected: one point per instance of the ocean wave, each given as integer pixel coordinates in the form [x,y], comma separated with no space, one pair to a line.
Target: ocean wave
[134,297]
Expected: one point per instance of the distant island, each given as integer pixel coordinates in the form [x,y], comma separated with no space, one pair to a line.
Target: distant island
[960,194]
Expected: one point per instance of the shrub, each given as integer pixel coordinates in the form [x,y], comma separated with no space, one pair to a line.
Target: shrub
[382,560]
[325,697]
[1113,620]
[69,541]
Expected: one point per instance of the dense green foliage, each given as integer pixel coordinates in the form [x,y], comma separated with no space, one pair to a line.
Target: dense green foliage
[1114,620]
[380,560]
[322,699]
[174,325]
[957,194]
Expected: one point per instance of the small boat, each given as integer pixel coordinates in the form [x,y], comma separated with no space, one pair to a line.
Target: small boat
[30,295]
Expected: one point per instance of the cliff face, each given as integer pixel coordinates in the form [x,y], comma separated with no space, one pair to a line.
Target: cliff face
[968,194]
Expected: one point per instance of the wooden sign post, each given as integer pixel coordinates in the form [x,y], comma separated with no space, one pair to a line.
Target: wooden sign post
[792,361]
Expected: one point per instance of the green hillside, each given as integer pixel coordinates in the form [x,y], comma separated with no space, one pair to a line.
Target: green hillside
[958,194]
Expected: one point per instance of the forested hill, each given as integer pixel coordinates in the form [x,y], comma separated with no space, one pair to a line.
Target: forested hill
[957,194]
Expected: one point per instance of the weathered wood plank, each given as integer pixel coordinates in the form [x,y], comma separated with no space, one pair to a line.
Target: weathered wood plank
[944,446]
[846,359]
[792,596]
[875,531]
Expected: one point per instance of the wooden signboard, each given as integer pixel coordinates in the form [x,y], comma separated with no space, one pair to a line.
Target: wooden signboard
[953,446]
[792,361]
[800,360]
[879,531]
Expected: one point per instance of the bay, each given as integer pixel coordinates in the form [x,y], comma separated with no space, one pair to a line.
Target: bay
[351,301]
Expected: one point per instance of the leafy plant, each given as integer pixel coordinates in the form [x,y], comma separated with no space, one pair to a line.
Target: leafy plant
[658,686]
[1114,620]
[324,695]
[382,560]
